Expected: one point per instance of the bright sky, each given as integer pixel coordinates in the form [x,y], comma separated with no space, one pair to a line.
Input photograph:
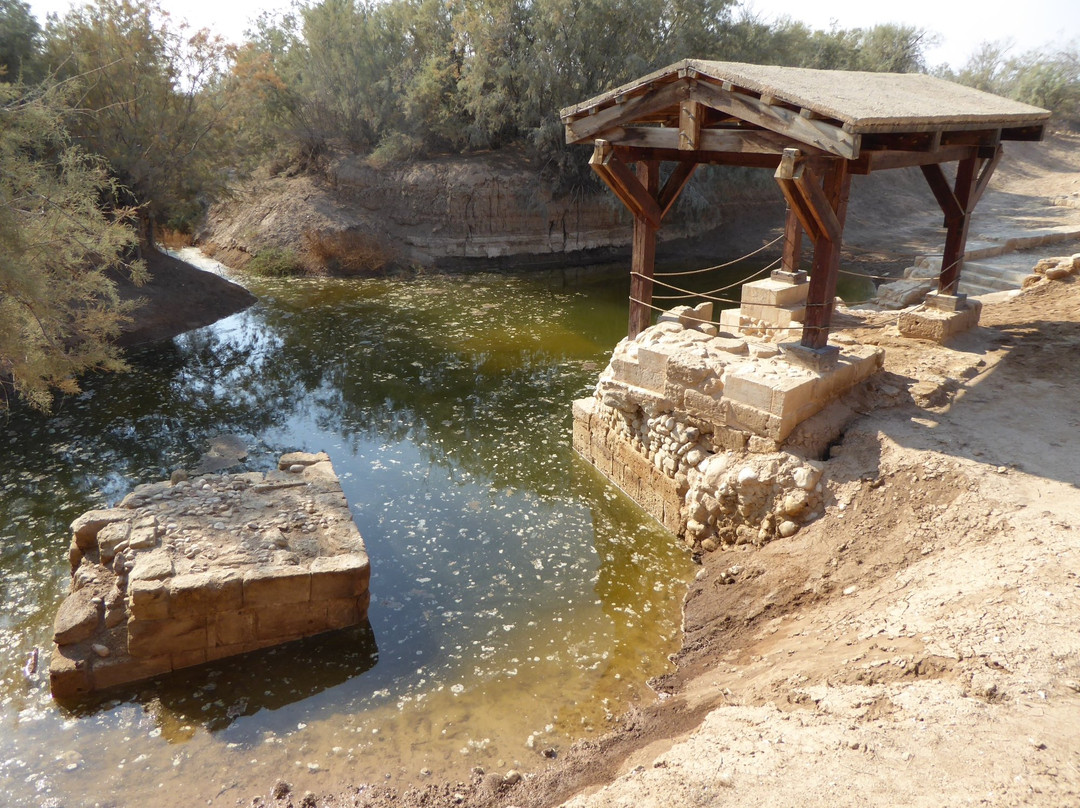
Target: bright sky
[961,24]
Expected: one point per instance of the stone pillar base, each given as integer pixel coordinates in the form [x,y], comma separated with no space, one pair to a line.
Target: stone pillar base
[939,323]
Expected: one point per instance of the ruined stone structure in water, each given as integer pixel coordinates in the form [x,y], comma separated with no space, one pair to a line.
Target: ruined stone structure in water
[192,571]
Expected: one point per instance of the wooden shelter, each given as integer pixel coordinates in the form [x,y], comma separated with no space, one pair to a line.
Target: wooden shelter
[816,128]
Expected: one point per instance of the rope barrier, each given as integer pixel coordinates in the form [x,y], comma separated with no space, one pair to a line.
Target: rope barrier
[720,266]
[710,295]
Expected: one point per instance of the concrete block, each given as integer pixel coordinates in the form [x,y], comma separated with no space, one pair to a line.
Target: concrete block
[204,593]
[342,576]
[771,292]
[147,600]
[274,586]
[286,621]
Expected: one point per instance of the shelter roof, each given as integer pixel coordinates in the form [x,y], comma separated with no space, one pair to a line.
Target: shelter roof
[830,110]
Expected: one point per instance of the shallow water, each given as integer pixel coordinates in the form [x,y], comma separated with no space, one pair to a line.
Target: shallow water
[519,601]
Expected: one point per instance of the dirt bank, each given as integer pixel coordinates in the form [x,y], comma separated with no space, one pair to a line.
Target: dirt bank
[177,298]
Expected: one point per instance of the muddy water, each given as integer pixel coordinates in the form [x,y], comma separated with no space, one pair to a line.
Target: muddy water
[519,601]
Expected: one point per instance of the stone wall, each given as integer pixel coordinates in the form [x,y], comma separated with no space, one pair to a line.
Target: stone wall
[692,424]
[190,571]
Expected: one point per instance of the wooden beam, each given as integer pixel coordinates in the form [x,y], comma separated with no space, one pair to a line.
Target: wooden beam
[985,173]
[800,187]
[952,261]
[674,185]
[935,178]
[670,95]
[977,137]
[790,169]
[884,160]
[632,154]
[792,243]
[821,295]
[690,114]
[621,180]
[816,133]
[643,258]
[742,141]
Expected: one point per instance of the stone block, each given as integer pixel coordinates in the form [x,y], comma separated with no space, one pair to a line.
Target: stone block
[187,659]
[121,670]
[938,326]
[290,620]
[782,316]
[274,586]
[152,566]
[204,593]
[149,638]
[231,628]
[584,409]
[69,673]
[86,527]
[771,292]
[750,387]
[290,459]
[705,407]
[341,576]
[112,537]
[323,470]
[77,618]
[343,612]
[147,600]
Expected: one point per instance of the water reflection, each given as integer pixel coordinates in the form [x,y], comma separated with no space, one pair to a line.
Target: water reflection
[518,599]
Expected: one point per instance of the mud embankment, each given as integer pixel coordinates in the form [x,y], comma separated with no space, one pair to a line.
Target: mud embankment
[490,212]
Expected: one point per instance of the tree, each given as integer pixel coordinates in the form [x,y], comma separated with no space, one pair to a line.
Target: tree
[152,104]
[58,307]
[20,38]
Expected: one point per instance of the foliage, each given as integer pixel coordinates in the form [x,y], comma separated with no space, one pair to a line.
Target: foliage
[345,252]
[58,306]
[1048,79]
[152,103]
[20,37]
[275,262]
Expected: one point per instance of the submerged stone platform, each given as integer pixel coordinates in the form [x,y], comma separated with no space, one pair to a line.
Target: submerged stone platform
[190,571]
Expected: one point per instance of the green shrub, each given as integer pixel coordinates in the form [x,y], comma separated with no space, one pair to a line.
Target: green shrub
[275,262]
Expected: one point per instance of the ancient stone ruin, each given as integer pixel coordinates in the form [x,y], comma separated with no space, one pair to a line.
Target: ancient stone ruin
[194,570]
[694,423]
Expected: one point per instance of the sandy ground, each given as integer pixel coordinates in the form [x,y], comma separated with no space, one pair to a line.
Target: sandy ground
[918,645]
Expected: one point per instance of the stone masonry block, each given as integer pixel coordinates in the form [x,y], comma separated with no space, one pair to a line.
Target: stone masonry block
[148,600]
[750,388]
[782,316]
[231,628]
[205,593]
[149,638]
[648,375]
[291,620]
[707,408]
[120,670]
[938,326]
[770,292]
[187,659]
[341,576]
[274,586]
[343,612]
[69,675]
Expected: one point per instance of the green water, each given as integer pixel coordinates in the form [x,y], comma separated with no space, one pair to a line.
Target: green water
[519,600]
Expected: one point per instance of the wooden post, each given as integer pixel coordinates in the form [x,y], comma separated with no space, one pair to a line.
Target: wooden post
[826,267]
[792,243]
[643,258]
[952,261]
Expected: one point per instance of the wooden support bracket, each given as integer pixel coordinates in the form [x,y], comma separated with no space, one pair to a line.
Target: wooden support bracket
[674,185]
[806,198]
[950,205]
[624,184]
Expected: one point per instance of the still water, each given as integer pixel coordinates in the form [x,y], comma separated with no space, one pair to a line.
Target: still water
[519,601]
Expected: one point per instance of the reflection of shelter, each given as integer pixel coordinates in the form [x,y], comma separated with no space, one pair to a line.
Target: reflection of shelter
[815,128]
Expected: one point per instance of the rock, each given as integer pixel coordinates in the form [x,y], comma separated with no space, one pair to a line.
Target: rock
[709,545]
[152,566]
[100,650]
[795,503]
[1031,280]
[1056,273]
[301,459]
[787,529]
[86,527]
[76,620]
[806,477]
[747,474]
[694,456]
[512,777]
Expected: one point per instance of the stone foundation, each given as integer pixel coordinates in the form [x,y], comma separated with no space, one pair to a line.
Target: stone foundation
[691,424]
[939,324]
[192,571]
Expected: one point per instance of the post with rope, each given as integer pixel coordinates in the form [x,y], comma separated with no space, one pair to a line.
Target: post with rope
[643,257]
